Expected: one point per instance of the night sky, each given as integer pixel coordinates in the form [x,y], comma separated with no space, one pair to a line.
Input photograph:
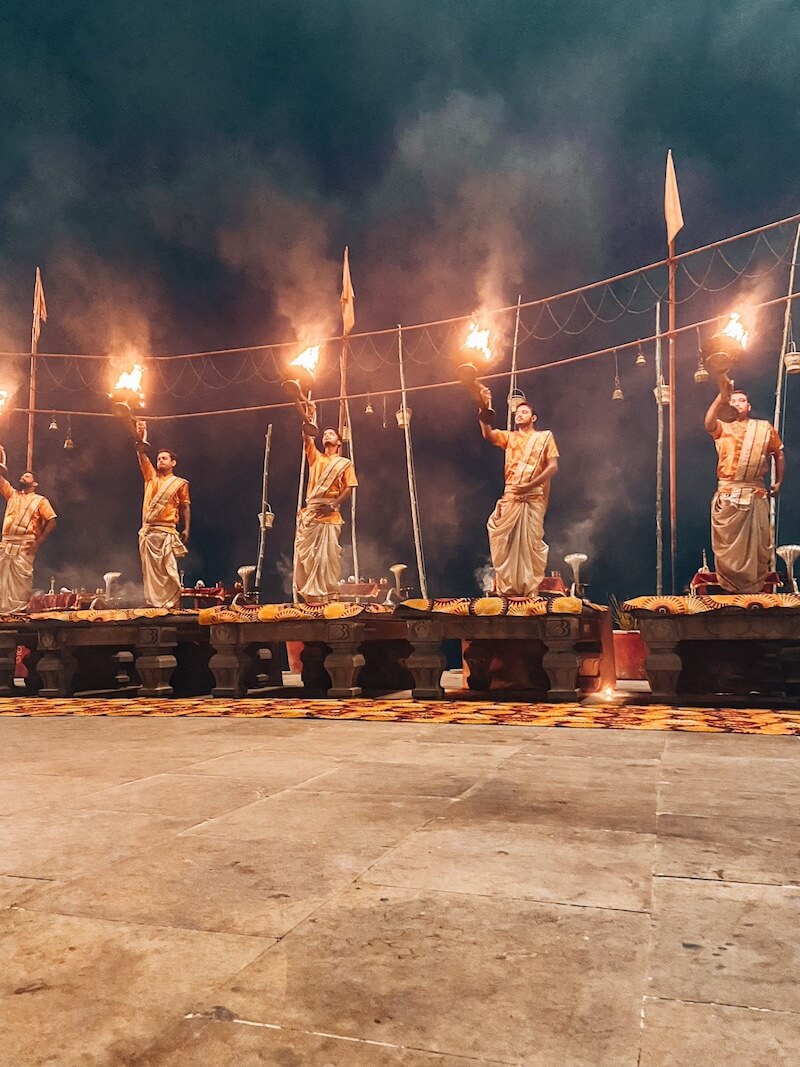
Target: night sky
[187,175]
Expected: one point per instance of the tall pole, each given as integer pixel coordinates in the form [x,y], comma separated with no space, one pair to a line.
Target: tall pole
[659,460]
[673,424]
[39,316]
[412,481]
[346,432]
[776,421]
[512,385]
[262,520]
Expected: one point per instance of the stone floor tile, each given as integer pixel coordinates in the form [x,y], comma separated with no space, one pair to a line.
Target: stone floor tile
[734,848]
[770,774]
[13,890]
[273,768]
[396,779]
[77,992]
[726,943]
[326,819]
[709,798]
[20,791]
[600,793]
[568,865]
[680,746]
[468,976]
[191,796]
[261,887]
[607,744]
[221,1043]
[679,1035]
[61,843]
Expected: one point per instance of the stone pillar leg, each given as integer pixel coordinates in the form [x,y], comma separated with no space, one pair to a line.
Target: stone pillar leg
[561,661]
[662,662]
[57,665]
[229,662]
[343,664]
[8,662]
[155,660]
[426,661]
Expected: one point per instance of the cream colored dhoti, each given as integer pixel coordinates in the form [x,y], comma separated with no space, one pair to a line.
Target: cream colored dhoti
[317,557]
[516,543]
[740,537]
[16,572]
[160,547]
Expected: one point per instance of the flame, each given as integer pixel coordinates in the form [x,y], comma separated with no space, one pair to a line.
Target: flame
[3,398]
[308,359]
[735,328]
[477,340]
[131,381]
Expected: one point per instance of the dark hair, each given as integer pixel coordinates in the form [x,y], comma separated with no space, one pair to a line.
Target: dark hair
[333,430]
[26,471]
[528,404]
[741,392]
[169,453]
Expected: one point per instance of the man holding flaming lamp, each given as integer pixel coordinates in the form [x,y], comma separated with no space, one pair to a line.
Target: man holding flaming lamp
[29,520]
[516,526]
[331,477]
[740,529]
[166,502]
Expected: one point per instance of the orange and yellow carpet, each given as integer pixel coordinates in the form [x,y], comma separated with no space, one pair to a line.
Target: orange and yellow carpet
[590,715]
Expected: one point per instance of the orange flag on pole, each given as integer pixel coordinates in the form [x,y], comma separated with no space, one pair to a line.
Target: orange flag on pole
[39,307]
[672,202]
[348,297]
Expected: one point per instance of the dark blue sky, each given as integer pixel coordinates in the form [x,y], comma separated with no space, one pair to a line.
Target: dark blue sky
[187,175]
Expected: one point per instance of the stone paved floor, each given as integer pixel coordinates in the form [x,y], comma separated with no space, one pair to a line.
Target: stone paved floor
[208,892]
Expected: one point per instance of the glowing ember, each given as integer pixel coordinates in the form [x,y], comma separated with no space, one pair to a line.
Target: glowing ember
[129,383]
[308,359]
[608,692]
[735,328]
[3,398]
[477,340]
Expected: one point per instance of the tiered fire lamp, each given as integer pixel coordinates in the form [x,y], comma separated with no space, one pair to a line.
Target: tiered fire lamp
[477,341]
[299,386]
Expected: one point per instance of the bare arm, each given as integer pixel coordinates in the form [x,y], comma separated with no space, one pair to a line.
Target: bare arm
[723,397]
[186,519]
[47,529]
[780,471]
[146,467]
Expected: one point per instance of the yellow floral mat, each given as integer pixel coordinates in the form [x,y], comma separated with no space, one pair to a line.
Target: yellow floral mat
[606,716]
[699,605]
[484,606]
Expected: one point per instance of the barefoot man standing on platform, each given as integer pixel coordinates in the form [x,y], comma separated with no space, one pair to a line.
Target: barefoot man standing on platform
[516,526]
[29,520]
[740,532]
[317,553]
[166,501]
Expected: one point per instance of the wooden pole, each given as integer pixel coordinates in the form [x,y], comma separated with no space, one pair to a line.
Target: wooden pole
[673,425]
[512,385]
[412,481]
[262,528]
[659,461]
[776,421]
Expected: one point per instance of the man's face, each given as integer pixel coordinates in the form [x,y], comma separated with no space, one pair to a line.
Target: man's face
[523,416]
[740,403]
[330,437]
[27,480]
[165,463]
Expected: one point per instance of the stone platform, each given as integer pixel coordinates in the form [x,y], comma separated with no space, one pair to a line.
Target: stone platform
[738,648]
[141,652]
[553,655]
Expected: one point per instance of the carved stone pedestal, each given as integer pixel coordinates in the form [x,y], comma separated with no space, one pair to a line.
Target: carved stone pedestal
[229,662]
[155,660]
